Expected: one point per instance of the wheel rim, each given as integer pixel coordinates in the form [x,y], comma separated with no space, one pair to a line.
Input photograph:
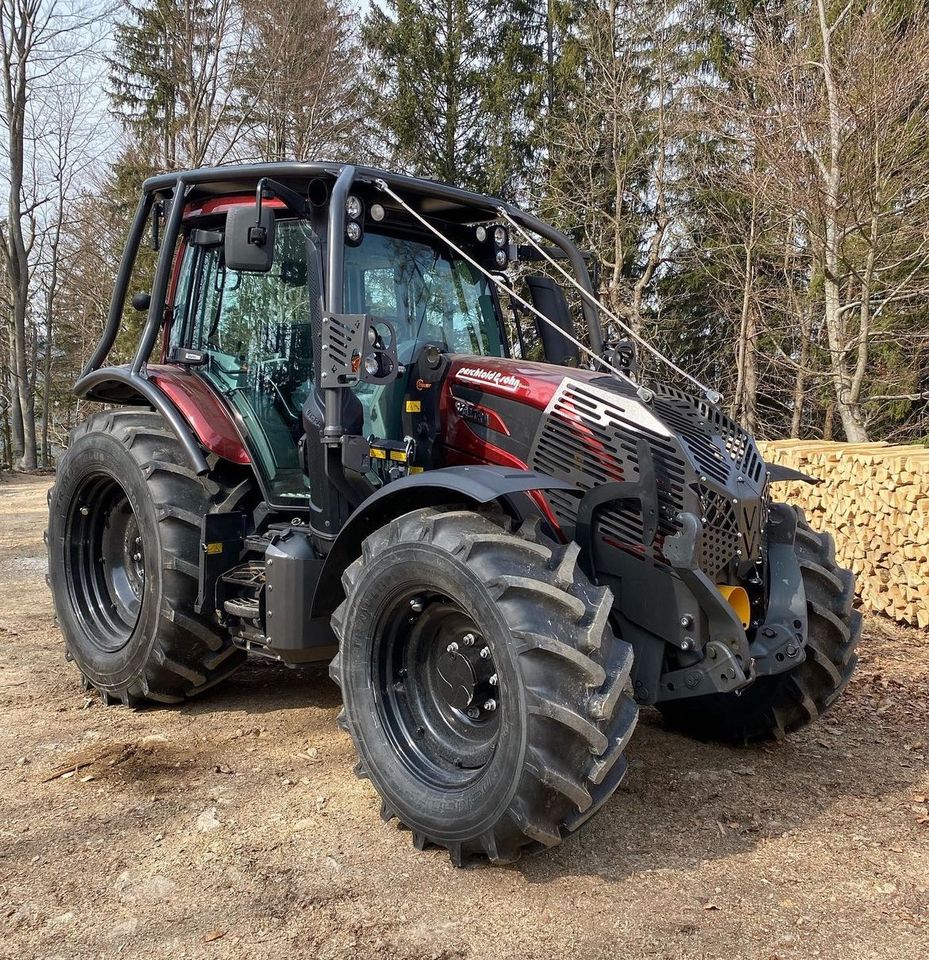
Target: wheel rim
[436,689]
[106,562]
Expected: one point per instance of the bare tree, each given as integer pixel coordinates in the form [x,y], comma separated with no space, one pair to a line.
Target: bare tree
[300,82]
[844,106]
[612,169]
[37,37]
[24,31]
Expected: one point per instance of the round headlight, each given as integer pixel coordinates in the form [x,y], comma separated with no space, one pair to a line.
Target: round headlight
[481,234]
[377,212]
[353,206]
[353,231]
[500,257]
[371,365]
[500,236]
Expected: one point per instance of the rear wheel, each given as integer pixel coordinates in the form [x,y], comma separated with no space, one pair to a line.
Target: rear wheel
[774,706]
[486,695]
[124,546]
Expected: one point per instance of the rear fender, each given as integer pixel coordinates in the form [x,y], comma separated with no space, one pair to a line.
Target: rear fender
[203,410]
[189,405]
[447,486]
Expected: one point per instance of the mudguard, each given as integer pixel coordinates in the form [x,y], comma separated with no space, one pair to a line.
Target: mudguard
[472,484]
[778,472]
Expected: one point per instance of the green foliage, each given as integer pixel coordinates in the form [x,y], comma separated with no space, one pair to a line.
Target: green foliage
[456,88]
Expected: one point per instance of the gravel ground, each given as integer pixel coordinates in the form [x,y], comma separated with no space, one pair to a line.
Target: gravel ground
[233,826]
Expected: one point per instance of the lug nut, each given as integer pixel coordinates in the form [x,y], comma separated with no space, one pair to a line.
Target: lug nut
[452,648]
[490,705]
[468,639]
[416,605]
[493,680]
[85,511]
[687,621]
[485,653]
[473,713]
[137,557]
[685,643]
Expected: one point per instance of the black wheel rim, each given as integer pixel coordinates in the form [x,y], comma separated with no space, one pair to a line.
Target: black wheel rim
[106,564]
[436,689]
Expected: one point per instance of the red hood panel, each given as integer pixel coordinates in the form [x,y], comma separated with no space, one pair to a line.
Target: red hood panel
[523,380]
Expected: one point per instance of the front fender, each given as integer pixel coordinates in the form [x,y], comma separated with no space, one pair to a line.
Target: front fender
[473,485]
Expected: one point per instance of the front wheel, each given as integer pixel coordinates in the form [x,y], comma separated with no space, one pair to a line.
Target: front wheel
[486,694]
[776,705]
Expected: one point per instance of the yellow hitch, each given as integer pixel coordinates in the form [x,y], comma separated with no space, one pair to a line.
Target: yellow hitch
[737,598]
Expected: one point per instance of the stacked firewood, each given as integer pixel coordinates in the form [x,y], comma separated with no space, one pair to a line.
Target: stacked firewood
[874,499]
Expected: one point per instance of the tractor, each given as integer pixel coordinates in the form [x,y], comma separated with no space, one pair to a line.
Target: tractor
[357,428]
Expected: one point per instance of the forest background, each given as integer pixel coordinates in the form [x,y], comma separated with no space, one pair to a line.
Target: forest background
[752,177]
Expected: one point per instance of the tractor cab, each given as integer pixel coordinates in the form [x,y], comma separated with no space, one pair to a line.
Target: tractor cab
[250,331]
[260,259]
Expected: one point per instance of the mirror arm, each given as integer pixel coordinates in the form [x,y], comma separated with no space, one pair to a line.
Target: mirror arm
[272,188]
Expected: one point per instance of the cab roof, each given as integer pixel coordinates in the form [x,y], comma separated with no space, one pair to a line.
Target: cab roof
[430,197]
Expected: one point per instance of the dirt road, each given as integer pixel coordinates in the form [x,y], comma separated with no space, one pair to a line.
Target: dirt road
[233,827]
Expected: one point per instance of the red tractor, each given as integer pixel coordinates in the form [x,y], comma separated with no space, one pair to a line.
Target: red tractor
[343,454]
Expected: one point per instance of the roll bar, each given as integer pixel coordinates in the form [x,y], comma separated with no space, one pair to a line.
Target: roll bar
[440,200]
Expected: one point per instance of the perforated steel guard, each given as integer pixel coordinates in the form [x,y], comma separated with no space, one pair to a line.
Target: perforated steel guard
[344,346]
[704,463]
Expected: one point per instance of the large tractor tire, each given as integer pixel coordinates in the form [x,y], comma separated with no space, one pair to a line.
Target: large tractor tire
[486,695]
[777,705]
[123,553]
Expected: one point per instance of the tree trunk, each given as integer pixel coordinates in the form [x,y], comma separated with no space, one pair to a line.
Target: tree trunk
[829,421]
[18,33]
[744,403]
[799,398]
[47,388]
[848,407]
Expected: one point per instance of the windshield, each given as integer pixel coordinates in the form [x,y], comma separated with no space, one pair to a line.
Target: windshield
[426,291]
[429,294]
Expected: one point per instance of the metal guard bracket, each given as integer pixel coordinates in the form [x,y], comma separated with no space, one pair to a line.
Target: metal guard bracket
[718,672]
[681,550]
[780,642]
[344,346]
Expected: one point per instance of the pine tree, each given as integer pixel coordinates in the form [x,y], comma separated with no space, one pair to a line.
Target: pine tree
[457,88]
[173,75]
[144,76]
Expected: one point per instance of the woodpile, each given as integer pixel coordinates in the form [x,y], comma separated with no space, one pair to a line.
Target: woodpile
[874,499]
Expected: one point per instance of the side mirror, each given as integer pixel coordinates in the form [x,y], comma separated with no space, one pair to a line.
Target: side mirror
[249,241]
[549,299]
